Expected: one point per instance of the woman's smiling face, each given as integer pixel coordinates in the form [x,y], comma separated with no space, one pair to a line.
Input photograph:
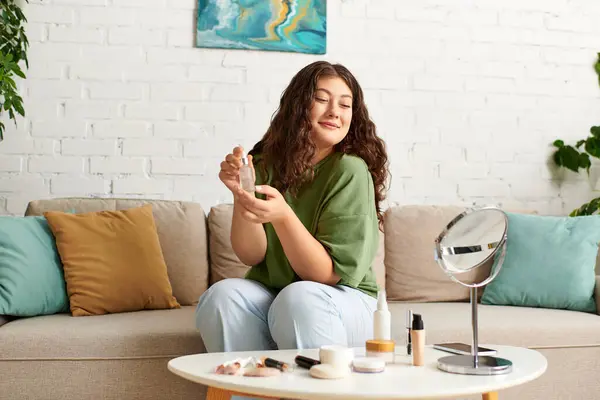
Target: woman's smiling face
[331,113]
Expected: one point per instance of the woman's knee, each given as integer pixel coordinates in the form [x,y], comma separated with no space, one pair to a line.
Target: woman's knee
[229,296]
[301,297]
[217,297]
[300,315]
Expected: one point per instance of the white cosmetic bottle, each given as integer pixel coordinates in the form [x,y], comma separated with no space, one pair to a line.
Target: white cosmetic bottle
[382,319]
[246,176]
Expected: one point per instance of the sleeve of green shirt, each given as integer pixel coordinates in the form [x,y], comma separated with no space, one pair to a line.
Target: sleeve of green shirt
[348,225]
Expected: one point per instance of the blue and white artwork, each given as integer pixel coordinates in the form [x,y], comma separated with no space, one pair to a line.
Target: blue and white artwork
[277,25]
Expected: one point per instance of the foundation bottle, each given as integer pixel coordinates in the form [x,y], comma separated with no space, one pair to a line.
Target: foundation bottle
[418,340]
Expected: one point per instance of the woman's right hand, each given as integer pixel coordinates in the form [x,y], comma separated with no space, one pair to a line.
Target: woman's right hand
[230,169]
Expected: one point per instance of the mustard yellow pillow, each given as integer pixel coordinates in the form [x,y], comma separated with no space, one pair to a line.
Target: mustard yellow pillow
[112,261]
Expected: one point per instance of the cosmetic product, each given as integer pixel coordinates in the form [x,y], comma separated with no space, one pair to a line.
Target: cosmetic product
[262,372]
[382,319]
[246,175]
[305,362]
[382,349]
[328,371]
[418,340]
[368,365]
[236,366]
[336,355]
[271,363]
[409,318]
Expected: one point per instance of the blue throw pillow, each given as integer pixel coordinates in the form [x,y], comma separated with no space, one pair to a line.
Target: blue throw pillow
[549,263]
[31,274]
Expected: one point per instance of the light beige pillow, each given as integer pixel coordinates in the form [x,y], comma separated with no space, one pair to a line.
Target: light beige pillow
[223,261]
[412,273]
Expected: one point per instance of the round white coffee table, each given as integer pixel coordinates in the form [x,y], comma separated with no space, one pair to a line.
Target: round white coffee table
[401,380]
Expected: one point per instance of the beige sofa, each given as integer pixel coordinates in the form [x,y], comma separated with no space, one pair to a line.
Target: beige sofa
[124,356]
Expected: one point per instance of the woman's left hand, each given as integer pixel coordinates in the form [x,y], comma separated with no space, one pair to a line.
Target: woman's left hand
[273,209]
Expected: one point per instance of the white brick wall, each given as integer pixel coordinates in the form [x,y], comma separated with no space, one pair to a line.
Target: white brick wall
[468,96]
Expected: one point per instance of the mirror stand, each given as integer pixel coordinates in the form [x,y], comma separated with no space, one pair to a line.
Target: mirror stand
[473,364]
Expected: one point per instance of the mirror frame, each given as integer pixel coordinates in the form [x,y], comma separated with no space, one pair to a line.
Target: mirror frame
[500,245]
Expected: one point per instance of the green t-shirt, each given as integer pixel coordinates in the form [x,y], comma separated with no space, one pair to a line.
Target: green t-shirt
[338,208]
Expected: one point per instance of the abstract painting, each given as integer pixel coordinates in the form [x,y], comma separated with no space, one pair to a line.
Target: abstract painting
[277,25]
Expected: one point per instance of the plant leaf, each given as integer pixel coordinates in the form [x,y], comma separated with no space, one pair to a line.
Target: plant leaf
[568,157]
[13,49]
[595,130]
[18,71]
[597,68]
[19,107]
[578,145]
[588,208]
[592,146]
[558,143]
[584,162]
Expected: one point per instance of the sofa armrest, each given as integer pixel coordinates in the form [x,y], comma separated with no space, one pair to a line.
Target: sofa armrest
[597,294]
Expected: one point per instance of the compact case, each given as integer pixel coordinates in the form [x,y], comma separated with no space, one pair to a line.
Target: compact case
[368,364]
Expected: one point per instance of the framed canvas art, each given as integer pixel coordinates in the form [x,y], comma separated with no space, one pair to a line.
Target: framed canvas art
[276,25]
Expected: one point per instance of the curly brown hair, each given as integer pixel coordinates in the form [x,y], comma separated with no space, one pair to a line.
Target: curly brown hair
[287,146]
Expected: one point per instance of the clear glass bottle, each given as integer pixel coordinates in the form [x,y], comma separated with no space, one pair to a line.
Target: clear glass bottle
[246,175]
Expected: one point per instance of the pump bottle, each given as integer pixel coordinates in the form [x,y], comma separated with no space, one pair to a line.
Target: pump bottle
[382,319]
[418,340]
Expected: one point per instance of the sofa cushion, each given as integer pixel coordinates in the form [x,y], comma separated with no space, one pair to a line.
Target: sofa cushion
[225,264]
[181,228]
[412,273]
[112,261]
[223,261]
[31,273]
[550,263]
[508,325]
[151,333]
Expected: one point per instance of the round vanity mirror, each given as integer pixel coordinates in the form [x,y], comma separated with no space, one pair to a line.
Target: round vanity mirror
[468,242]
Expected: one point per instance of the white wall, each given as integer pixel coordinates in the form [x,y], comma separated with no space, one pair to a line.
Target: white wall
[468,95]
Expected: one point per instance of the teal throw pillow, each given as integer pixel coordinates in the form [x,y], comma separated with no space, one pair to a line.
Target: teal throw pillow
[549,263]
[31,274]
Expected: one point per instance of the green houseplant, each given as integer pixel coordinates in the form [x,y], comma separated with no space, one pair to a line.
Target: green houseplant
[575,157]
[13,51]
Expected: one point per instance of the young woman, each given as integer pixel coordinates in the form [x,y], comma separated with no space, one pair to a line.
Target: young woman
[310,233]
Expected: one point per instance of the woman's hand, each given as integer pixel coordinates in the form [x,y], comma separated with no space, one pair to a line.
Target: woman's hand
[230,169]
[274,209]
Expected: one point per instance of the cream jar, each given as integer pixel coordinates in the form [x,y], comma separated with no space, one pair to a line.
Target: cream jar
[383,349]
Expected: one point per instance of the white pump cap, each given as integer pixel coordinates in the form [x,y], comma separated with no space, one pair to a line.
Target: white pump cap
[381,300]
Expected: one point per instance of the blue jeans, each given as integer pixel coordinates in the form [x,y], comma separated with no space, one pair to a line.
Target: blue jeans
[240,315]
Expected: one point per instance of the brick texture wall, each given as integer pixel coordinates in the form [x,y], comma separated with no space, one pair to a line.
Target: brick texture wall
[467,94]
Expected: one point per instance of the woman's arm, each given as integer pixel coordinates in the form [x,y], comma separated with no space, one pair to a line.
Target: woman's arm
[306,255]
[248,239]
